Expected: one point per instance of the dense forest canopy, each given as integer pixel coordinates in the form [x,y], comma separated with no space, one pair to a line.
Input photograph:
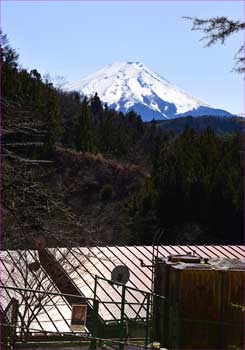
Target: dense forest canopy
[194,192]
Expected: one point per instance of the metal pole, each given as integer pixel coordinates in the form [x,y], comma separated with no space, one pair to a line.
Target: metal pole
[95,285]
[44,292]
[14,321]
[147,325]
[129,288]
[155,243]
[222,309]
[154,305]
[93,343]
[122,317]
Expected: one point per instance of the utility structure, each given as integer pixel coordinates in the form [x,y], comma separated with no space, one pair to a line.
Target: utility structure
[204,306]
[115,310]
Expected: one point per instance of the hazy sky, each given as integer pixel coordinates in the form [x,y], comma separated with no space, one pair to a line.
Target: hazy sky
[75,38]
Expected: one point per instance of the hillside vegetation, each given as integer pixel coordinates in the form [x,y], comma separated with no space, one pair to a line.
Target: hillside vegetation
[80,173]
[220,125]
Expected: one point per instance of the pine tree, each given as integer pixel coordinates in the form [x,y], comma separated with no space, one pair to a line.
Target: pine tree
[9,67]
[218,29]
[96,105]
[84,139]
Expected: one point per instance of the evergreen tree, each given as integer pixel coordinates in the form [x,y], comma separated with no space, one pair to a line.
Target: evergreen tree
[9,66]
[198,179]
[84,139]
[218,29]
[96,105]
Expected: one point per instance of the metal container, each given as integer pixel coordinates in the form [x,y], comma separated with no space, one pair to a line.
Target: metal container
[204,303]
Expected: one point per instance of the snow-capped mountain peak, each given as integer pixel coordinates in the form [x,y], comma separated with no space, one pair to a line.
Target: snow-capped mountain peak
[133,85]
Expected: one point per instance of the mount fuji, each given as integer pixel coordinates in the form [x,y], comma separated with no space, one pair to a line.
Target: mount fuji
[126,86]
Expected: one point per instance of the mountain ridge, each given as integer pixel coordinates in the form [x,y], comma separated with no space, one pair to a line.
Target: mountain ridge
[124,86]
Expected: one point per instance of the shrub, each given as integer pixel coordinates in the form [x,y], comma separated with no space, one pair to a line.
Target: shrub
[106,192]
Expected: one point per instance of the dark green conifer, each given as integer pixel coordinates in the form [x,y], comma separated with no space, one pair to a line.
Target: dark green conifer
[96,105]
[84,139]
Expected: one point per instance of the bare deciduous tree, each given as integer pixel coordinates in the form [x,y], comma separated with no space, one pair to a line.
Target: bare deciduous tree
[30,205]
[22,269]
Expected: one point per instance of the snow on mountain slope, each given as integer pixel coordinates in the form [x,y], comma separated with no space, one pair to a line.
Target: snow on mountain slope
[133,85]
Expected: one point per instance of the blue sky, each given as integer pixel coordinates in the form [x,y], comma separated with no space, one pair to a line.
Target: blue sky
[75,38]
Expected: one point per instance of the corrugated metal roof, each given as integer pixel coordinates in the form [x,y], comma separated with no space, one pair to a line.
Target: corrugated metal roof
[56,312]
[100,261]
[82,264]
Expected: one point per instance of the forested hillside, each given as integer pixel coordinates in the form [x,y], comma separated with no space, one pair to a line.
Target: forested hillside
[196,191]
[76,171]
[220,125]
